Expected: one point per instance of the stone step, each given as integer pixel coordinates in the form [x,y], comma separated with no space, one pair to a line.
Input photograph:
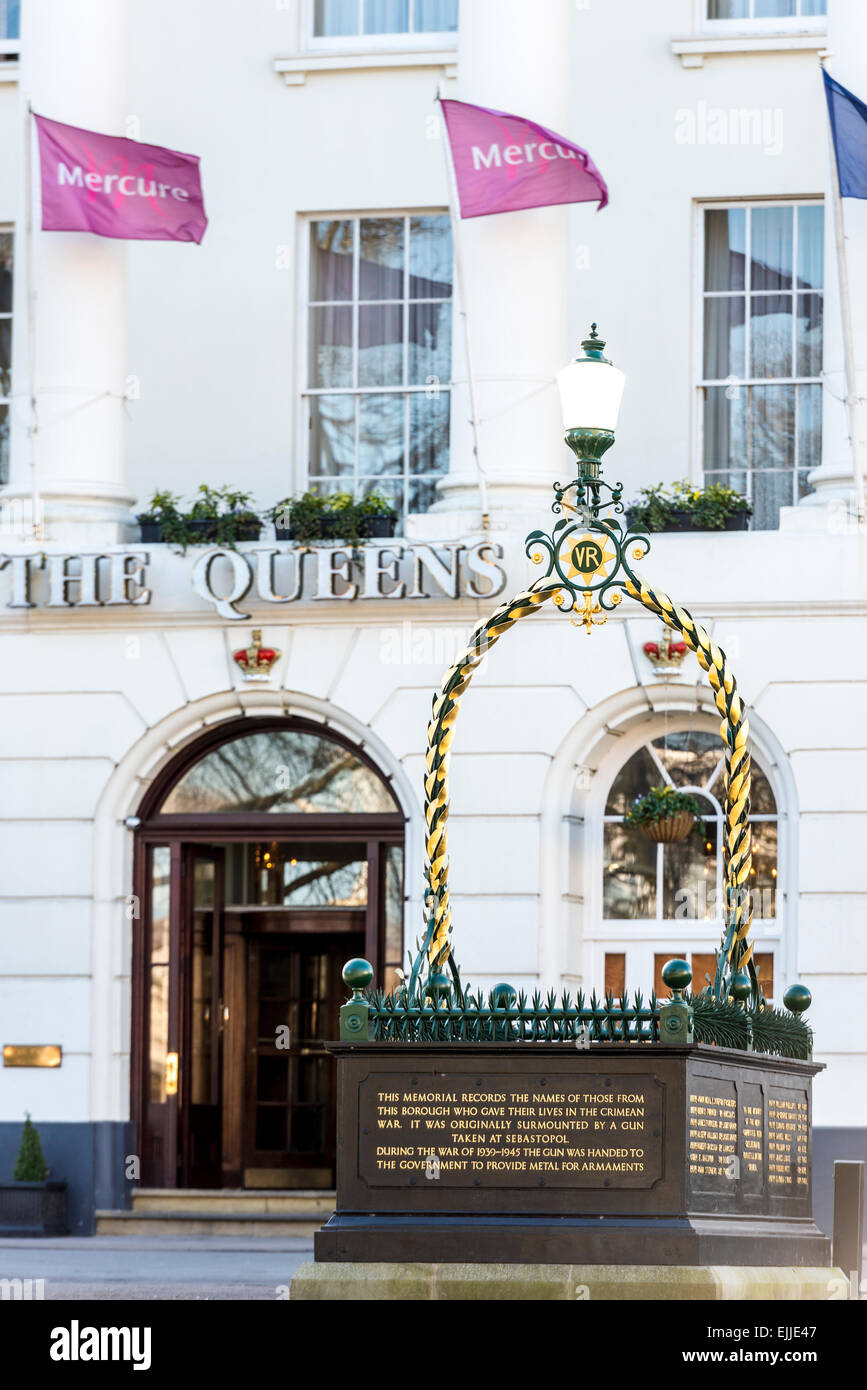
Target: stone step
[233,1202]
[300,1225]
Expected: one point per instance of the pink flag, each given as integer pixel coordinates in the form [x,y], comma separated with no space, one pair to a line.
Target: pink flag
[504,163]
[116,187]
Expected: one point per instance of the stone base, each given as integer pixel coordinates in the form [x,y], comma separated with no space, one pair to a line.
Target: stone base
[574,1241]
[563,1283]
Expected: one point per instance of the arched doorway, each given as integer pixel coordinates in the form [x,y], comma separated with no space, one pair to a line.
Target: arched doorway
[269,852]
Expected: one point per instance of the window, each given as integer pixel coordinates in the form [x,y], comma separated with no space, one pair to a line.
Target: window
[765,9]
[370,19]
[5,349]
[10,26]
[379,356]
[279,772]
[761,383]
[644,880]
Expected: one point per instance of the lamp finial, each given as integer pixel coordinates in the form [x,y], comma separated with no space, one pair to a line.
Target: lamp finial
[594,346]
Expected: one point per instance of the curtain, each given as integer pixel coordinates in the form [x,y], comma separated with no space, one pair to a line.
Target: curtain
[436,16]
[386,16]
[728,9]
[10,19]
[331,18]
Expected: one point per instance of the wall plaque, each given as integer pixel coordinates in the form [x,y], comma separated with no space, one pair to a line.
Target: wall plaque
[32,1055]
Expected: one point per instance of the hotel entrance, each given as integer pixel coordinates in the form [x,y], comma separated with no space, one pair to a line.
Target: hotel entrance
[267,857]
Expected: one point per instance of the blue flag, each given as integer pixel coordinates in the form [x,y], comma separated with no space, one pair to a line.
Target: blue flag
[849,132]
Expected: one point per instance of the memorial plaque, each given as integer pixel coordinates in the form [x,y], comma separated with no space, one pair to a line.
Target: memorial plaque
[500,1132]
[543,1153]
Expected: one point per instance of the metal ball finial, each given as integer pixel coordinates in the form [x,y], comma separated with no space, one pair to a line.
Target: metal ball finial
[677,975]
[797,999]
[357,975]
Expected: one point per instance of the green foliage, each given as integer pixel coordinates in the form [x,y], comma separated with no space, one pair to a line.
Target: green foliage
[231,514]
[376,504]
[661,802]
[30,1165]
[332,516]
[311,516]
[302,514]
[707,508]
[163,506]
[338,502]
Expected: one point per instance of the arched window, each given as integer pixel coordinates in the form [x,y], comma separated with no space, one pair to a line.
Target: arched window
[675,891]
[645,880]
[279,771]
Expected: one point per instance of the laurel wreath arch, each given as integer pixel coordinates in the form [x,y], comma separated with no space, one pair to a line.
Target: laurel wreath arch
[559,585]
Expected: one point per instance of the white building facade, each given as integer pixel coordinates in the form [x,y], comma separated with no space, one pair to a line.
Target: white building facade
[190,856]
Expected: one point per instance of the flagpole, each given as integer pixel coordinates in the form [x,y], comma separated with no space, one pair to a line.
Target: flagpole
[852,401]
[35,503]
[460,284]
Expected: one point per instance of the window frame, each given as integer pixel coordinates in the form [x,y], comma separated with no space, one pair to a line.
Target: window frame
[8,229]
[367,43]
[305,393]
[700,384]
[8,46]
[774,24]
[641,938]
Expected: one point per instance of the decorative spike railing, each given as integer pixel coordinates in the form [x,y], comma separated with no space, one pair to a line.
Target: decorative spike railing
[503,1016]
[577,552]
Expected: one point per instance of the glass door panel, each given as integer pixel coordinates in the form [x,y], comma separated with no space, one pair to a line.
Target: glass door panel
[200,1058]
[294,1002]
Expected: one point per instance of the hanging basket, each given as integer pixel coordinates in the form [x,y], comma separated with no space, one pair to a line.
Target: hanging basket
[668,830]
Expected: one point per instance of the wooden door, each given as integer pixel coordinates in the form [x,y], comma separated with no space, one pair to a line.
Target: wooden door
[200,1063]
[294,994]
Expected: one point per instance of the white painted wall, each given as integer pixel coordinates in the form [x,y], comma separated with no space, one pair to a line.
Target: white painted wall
[212,341]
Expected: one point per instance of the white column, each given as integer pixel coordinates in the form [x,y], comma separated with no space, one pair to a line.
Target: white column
[834,480]
[515,57]
[74,69]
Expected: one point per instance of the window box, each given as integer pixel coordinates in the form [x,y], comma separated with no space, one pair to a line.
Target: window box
[680,520]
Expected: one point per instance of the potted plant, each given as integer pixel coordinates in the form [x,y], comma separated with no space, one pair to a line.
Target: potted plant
[685,508]
[32,1205]
[161,518]
[201,519]
[340,517]
[377,516]
[237,520]
[665,815]
[222,516]
[298,518]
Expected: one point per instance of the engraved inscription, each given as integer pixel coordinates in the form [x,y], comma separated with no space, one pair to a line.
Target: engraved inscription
[713,1134]
[788,1127]
[491,1131]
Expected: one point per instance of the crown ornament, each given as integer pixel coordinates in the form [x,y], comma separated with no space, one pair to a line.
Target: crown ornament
[256,661]
[665,656]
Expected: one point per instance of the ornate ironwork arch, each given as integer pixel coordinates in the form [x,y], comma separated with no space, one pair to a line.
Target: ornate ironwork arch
[587,573]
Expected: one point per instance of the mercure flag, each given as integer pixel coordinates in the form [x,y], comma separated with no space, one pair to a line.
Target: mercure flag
[848,118]
[504,163]
[117,187]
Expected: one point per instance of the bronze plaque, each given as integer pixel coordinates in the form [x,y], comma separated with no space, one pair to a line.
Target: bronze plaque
[32,1055]
[499,1131]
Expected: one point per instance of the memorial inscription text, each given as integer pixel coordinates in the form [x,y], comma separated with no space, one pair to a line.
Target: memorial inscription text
[499,1132]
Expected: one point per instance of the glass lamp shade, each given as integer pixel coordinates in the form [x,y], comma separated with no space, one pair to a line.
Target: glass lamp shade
[590,394]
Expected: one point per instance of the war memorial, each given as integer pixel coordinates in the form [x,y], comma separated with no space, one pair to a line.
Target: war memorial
[562,1147]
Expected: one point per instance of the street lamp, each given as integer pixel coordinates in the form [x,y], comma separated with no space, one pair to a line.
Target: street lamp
[591,390]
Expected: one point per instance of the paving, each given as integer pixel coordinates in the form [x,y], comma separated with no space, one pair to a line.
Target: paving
[153,1267]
